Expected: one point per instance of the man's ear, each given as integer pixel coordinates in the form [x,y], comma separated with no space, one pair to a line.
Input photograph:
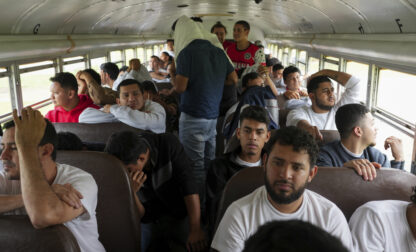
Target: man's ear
[311,96]
[237,133]
[118,101]
[46,150]
[313,171]
[72,93]
[269,133]
[357,131]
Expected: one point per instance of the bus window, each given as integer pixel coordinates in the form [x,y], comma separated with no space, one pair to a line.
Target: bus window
[302,62]
[359,70]
[96,63]
[275,51]
[331,66]
[140,55]
[129,55]
[116,58]
[36,85]
[149,53]
[5,102]
[285,59]
[36,64]
[292,60]
[396,94]
[385,130]
[280,54]
[74,64]
[156,50]
[313,65]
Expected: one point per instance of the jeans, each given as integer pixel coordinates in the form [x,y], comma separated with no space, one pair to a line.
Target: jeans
[197,136]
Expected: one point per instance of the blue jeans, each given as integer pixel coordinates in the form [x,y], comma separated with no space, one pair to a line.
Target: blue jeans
[197,136]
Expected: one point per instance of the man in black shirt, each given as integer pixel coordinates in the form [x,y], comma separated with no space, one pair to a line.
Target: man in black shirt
[163,180]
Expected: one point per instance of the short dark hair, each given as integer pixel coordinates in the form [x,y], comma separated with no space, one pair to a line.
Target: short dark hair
[123,68]
[126,146]
[248,77]
[155,57]
[413,197]
[149,86]
[277,66]
[245,24]
[49,136]
[111,69]
[271,61]
[298,138]
[69,141]
[313,83]
[67,81]
[349,116]
[294,236]
[168,55]
[94,75]
[128,82]
[288,70]
[218,25]
[255,113]
[170,40]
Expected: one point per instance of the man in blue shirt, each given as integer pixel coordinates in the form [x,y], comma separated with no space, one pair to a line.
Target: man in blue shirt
[202,69]
[356,127]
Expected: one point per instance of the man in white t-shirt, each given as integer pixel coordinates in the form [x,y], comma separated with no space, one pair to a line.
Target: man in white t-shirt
[33,183]
[252,134]
[387,225]
[135,71]
[321,115]
[131,109]
[289,165]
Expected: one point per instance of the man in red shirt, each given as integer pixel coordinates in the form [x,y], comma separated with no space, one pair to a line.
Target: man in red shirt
[68,103]
[243,53]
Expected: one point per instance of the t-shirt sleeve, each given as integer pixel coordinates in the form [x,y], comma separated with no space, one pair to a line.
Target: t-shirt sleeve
[339,228]
[259,57]
[295,116]
[229,236]
[397,164]
[351,93]
[183,64]
[367,230]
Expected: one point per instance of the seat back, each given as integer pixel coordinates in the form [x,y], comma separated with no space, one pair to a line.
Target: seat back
[117,215]
[18,234]
[329,136]
[340,185]
[93,133]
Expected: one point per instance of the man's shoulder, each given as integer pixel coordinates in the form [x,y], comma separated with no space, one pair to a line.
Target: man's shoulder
[249,201]
[331,146]
[317,202]
[70,174]
[382,207]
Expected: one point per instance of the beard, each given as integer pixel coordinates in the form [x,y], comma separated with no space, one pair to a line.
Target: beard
[323,106]
[281,198]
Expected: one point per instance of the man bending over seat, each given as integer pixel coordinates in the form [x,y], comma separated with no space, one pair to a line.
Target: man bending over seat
[358,132]
[33,183]
[170,193]
[385,225]
[68,103]
[130,109]
[289,165]
[321,115]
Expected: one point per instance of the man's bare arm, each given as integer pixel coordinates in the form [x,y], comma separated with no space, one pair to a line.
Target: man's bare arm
[196,239]
[180,83]
[42,204]
[340,77]
[99,95]
[313,130]
[232,78]
[10,202]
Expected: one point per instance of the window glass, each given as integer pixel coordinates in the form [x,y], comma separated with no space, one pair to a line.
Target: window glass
[72,58]
[149,53]
[384,131]
[302,56]
[140,54]
[44,110]
[129,55]
[74,68]
[330,66]
[5,102]
[285,59]
[41,63]
[331,58]
[302,68]
[313,65]
[280,54]
[361,71]
[36,85]
[396,94]
[156,50]
[115,56]
[293,56]
[96,63]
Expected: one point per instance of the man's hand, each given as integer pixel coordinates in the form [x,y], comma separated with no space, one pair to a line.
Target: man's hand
[396,147]
[106,108]
[291,95]
[30,128]
[138,178]
[315,132]
[263,71]
[196,240]
[134,65]
[364,168]
[68,194]
[303,93]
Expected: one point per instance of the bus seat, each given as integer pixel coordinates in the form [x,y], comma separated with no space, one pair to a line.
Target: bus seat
[340,185]
[163,85]
[18,234]
[93,133]
[117,216]
[219,139]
